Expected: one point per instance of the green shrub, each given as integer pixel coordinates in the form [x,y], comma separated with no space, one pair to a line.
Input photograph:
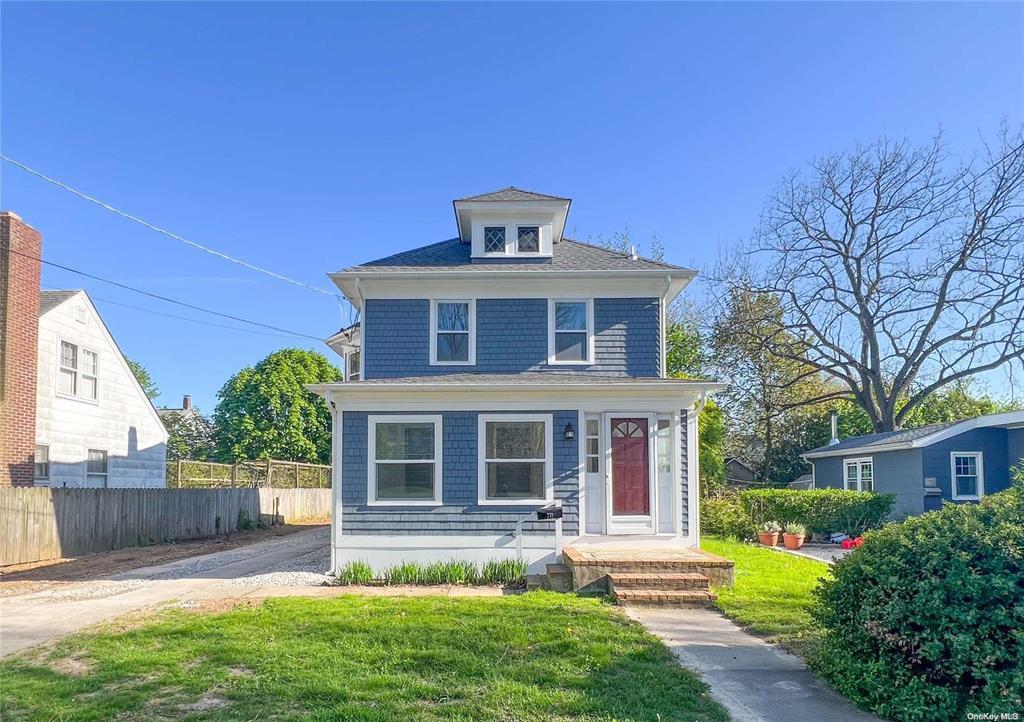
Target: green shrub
[404,573]
[357,572]
[503,571]
[723,516]
[926,620]
[821,510]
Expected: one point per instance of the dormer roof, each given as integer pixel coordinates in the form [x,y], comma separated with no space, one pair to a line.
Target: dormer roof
[508,205]
[512,194]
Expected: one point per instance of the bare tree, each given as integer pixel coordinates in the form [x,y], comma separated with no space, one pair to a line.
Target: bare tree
[897,271]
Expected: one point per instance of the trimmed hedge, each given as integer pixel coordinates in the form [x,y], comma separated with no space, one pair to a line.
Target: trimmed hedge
[926,620]
[723,516]
[822,511]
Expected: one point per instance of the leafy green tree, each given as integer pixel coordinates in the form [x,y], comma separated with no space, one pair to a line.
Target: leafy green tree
[144,379]
[711,442]
[266,412]
[189,436]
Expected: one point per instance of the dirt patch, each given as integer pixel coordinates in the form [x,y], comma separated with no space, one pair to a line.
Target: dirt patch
[39,576]
[72,666]
[206,703]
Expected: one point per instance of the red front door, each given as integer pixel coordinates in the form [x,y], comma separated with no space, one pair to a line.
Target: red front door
[631,491]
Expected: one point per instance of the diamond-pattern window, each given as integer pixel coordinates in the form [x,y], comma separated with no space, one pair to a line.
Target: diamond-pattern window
[494,239]
[528,239]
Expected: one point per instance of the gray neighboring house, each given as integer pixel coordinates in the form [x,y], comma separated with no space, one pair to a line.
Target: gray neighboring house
[958,461]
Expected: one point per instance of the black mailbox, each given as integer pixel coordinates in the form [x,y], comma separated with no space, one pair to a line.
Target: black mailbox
[549,512]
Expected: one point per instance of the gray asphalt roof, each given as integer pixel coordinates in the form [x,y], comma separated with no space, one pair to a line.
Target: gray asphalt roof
[568,255]
[49,300]
[512,194]
[904,436]
[527,378]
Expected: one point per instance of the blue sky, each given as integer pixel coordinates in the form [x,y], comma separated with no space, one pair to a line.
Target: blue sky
[308,137]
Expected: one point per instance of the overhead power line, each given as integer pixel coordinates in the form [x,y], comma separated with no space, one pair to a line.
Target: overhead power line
[164,231]
[164,298]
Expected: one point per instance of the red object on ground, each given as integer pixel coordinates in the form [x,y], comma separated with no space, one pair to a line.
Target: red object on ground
[858,541]
[846,544]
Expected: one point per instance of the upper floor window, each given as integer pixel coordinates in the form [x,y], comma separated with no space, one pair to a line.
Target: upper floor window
[528,239]
[42,463]
[967,475]
[352,366]
[494,239]
[452,332]
[859,475]
[571,330]
[78,372]
[405,460]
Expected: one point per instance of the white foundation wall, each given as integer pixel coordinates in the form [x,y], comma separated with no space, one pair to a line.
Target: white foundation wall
[121,421]
[381,552]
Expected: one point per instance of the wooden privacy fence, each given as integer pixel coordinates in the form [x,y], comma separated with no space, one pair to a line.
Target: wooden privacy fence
[40,524]
[190,474]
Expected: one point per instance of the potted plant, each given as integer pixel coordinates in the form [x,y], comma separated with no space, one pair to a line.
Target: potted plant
[794,536]
[768,534]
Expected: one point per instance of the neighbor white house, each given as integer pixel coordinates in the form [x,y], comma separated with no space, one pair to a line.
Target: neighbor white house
[95,426]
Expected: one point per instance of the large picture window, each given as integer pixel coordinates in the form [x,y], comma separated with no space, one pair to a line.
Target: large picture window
[452,332]
[515,459]
[859,475]
[404,455]
[967,475]
[571,324]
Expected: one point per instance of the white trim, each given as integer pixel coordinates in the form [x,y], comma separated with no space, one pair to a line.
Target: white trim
[980,457]
[581,469]
[371,458]
[381,551]
[471,331]
[646,524]
[337,447]
[481,455]
[347,360]
[80,350]
[589,303]
[858,461]
[1008,418]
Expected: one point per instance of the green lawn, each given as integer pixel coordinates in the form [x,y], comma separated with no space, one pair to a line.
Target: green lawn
[772,593]
[533,656]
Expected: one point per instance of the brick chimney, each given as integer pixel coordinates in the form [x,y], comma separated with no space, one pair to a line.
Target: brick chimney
[19,348]
[186,403]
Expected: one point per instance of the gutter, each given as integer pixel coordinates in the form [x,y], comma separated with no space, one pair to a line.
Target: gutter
[705,387]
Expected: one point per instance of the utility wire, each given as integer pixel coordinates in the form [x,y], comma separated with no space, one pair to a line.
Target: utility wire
[180,318]
[164,298]
[164,231]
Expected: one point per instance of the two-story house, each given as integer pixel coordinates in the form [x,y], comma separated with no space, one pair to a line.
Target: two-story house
[503,371]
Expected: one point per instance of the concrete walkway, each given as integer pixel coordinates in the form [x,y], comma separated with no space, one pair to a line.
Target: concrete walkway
[753,680]
[30,619]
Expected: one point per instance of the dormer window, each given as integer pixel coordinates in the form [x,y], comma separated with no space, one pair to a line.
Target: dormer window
[528,239]
[494,239]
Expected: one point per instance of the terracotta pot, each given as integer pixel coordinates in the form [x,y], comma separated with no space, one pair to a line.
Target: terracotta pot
[768,538]
[793,541]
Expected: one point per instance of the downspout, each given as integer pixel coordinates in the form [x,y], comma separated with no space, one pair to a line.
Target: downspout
[695,502]
[335,442]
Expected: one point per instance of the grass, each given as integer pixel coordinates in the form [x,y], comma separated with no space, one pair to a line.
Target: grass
[772,595]
[532,656]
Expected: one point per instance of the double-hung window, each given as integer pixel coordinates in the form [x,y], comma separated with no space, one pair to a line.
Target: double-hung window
[404,460]
[78,372]
[571,331]
[42,463]
[352,366]
[96,468]
[967,472]
[859,475]
[514,459]
[452,332]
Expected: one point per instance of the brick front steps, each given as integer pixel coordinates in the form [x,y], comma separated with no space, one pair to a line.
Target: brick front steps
[660,589]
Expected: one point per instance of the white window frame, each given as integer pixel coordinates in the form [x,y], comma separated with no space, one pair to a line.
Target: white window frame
[358,374]
[980,460]
[515,241]
[106,467]
[80,350]
[36,463]
[552,361]
[481,459]
[483,239]
[371,456]
[860,481]
[434,331]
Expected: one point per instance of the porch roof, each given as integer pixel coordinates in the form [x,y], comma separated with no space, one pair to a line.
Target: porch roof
[524,380]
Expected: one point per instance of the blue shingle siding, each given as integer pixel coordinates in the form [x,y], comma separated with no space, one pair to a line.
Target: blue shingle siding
[459,515]
[684,474]
[992,442]
[1015,445]
[512,336]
